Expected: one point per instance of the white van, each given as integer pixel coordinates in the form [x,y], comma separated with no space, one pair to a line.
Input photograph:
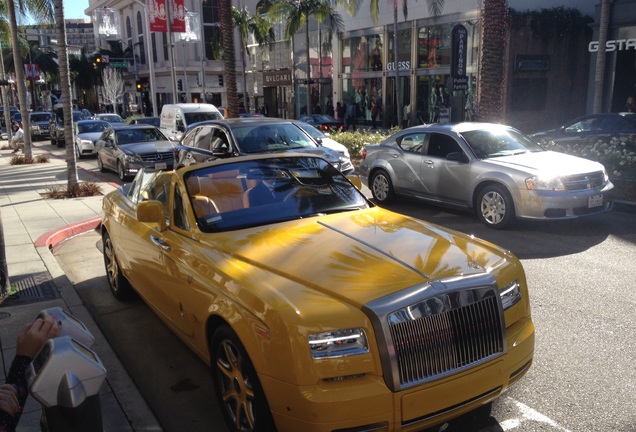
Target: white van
[175,118]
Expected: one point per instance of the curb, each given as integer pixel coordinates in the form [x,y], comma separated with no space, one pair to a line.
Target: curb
[53,237]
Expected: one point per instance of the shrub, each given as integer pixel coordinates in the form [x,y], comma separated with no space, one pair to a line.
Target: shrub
[27,160]
[79,190]
[355,141]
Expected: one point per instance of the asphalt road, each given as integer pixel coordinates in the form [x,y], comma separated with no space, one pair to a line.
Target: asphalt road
[581,276]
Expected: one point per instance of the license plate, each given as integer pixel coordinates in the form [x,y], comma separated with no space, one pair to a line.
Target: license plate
[161,165]
[595,201]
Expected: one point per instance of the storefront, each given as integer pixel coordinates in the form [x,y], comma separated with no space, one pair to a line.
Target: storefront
[427,91]
[620,67]
[277,85]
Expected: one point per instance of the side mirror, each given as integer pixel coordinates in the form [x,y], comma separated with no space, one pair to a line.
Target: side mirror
[457,156]
[151,211]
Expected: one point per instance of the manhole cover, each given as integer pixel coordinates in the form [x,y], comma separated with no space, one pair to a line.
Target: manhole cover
[32,288]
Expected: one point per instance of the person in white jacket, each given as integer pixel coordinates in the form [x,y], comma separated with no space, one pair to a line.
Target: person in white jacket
[17,138]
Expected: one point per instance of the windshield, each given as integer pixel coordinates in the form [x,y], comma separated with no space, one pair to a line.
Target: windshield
[496,142]
[253,193]
[40,117]
[96,126]
[133,136]
[271,137]
[111,118]
[199,116]
[311,131]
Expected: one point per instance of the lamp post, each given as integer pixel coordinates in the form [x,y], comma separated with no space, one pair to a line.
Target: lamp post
[192,27]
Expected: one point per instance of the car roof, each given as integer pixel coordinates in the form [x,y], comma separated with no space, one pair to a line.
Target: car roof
[130,127]
[246,158]
[90,121]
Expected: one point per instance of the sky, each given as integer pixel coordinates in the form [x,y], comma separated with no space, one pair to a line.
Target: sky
[74,9]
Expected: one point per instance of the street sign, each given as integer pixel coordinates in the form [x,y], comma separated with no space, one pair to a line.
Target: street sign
[119,64]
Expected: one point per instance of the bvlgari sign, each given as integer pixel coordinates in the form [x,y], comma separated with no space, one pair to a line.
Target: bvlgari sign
[614,45]
[275,78]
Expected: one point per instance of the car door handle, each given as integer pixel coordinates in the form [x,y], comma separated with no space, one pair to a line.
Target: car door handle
[160,243]
[429,162]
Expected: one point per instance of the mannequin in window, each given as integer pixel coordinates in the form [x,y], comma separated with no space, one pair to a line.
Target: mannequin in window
[432,107]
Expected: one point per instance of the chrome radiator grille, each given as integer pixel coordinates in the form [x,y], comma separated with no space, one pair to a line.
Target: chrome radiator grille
[434,345]
[584,181]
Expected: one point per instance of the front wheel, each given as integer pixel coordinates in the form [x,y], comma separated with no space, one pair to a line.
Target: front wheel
[121,172]
[495,207]
[100,164]
[119,285]
[236,385]
[382,187]
[78,153]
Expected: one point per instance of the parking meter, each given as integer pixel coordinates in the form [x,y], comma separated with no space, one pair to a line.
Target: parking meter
[65,377]
[69,325]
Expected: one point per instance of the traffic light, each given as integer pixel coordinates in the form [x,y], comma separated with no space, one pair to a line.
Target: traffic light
[98,60]
[180,85]
[139,85]
[220,80]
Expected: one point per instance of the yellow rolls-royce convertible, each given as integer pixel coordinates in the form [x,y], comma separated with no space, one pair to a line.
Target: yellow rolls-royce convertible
[315,309]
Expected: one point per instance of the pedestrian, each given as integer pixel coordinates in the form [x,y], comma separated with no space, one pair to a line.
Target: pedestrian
[374,113]
[630,105]
[341,110]
[17,138]
[13,394]
[351,117]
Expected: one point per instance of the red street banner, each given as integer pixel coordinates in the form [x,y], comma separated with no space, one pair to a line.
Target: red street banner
[157,16]
[32,72]
[177,15]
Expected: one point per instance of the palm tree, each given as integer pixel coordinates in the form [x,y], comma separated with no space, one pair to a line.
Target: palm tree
[599,74]
[42,11]
[65,85]
[296,14]
[491,72]
[229,61]
[263,31]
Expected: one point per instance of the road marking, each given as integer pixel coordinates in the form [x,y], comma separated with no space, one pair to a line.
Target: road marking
[529,414]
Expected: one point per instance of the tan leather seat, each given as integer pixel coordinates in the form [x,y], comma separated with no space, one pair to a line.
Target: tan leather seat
[203,205]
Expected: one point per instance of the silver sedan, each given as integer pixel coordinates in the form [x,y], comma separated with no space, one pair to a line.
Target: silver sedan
[492,169]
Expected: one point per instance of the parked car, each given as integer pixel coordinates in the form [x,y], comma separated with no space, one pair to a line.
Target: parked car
[323,122]
[12,111]
[155,121]
[345,158]
[87,132]
[240,136]
[590,128]
[303,297]
[492,169]
[56,126]
[40,122]
[113,119]
[177,118]
[126,149]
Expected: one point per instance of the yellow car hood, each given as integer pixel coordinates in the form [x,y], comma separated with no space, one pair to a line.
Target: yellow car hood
[359,256]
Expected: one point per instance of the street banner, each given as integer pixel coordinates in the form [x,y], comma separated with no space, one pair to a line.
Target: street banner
[177,16]
[32,72]
[157,16]
[459,43]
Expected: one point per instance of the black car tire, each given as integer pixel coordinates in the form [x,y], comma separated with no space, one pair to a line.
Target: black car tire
[53,143]
[382,187]
[59,143]
[100,164]
[236,385]
[495,207]
[117,282]
[78,154]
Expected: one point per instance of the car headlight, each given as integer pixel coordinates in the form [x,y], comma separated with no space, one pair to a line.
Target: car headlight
[545,183]
[86,142]
[338,343]
[133,158]
[510,294]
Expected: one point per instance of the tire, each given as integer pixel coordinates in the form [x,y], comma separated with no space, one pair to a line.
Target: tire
[236,385]
[120,172]
[53,143]
[100,164]
[78,154]
[382,187]
[495,207]
[117,282]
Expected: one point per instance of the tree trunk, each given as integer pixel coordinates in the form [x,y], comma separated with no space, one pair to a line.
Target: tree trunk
[20,79]
[65,85]
[599,74]
[229,60]
[396,84]
[491,74]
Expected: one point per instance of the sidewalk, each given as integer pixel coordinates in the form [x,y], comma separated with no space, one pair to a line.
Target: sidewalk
[32,225]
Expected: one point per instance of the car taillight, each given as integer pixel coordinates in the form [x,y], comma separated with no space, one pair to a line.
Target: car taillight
[324,128]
